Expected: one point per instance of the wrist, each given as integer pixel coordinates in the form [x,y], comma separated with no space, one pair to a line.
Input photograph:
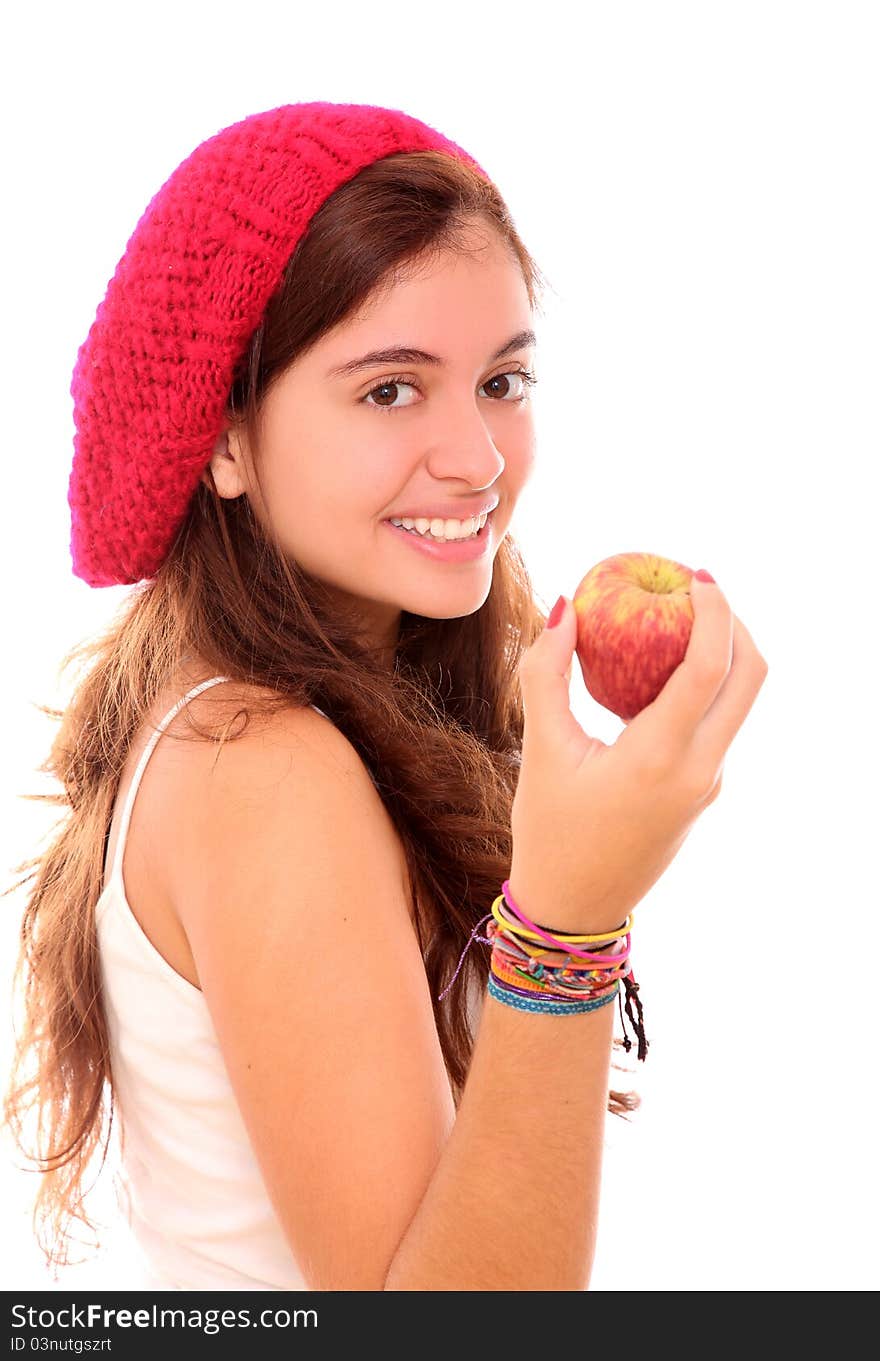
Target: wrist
[555,914]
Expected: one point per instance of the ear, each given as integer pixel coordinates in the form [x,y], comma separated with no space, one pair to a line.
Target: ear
[227,466]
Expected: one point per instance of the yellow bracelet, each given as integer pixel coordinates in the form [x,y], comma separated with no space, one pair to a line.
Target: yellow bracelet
[518,929]
[544,953]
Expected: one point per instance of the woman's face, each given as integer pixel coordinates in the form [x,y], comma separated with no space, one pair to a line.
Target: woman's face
[344,451]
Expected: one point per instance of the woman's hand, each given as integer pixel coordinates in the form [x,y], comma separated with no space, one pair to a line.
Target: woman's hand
[594,826]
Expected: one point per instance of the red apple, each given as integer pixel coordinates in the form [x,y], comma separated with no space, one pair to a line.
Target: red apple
[634,619]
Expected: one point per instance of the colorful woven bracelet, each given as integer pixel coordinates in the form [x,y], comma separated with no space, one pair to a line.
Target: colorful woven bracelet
[539,1004]
[563,968]
[511,976]
[597,956]
[539,969]
[564,985]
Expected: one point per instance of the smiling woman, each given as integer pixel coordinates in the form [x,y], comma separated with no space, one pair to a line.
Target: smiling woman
[322,710]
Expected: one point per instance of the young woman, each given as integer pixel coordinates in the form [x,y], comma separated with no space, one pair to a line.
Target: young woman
[327,739]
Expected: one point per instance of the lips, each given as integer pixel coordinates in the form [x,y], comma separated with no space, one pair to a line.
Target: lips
[448,551]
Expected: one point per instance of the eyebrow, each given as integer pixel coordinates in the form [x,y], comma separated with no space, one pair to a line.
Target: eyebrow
[408,354]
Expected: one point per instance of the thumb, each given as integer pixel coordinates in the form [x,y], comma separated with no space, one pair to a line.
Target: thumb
[545,675]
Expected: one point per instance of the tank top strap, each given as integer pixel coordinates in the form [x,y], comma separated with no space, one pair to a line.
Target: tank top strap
[119,849]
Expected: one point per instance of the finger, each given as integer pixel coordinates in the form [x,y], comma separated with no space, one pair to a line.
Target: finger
[544,675]
[727,713]
[695,683]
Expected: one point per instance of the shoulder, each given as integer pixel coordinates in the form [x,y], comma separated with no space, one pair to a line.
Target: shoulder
[262,783]
[248,722]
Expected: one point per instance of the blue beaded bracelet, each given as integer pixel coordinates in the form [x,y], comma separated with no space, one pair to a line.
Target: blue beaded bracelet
[513,999]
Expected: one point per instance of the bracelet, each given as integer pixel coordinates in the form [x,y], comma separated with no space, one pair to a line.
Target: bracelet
[547,977]
[511,933]
[537,1004]
[506,973]
[556,966]
[530,950]
[563,988]
[566,979]
[561,941]
[527,950]
[522,931]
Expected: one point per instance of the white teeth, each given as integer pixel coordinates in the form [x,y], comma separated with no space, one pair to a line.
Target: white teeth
[444,530]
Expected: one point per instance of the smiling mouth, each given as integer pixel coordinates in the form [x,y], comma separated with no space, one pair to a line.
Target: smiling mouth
[448,550]
[430,537]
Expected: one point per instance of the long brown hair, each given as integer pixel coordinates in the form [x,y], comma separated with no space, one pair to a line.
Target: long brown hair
[229,593]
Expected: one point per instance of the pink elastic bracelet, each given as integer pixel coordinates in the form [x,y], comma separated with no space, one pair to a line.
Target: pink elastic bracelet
[596,960]
[512,944]
[551,940]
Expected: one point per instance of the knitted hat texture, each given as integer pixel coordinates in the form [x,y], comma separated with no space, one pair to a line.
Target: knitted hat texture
[153,376]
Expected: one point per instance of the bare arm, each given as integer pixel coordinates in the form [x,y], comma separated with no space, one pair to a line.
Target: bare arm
[299,923]
[513,1204]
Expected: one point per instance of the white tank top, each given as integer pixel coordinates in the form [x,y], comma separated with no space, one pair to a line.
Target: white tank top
[189,1184]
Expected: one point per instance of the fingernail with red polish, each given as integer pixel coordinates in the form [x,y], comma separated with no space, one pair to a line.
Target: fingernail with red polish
[703,575]
[556,613]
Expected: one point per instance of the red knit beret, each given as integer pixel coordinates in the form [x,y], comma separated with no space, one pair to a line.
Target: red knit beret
[153,376]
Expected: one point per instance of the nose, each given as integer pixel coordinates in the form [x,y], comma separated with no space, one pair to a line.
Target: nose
[465,449]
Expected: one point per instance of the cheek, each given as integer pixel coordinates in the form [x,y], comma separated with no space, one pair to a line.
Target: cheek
[297,504]
[378,465]
[520,460]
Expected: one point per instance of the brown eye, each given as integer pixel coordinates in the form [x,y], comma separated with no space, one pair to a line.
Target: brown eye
[388,385]
[528,380]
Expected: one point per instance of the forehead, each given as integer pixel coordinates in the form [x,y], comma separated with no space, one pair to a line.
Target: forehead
[471,257]
[439,303]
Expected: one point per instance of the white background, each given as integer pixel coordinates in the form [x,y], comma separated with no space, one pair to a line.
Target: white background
[699,183]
